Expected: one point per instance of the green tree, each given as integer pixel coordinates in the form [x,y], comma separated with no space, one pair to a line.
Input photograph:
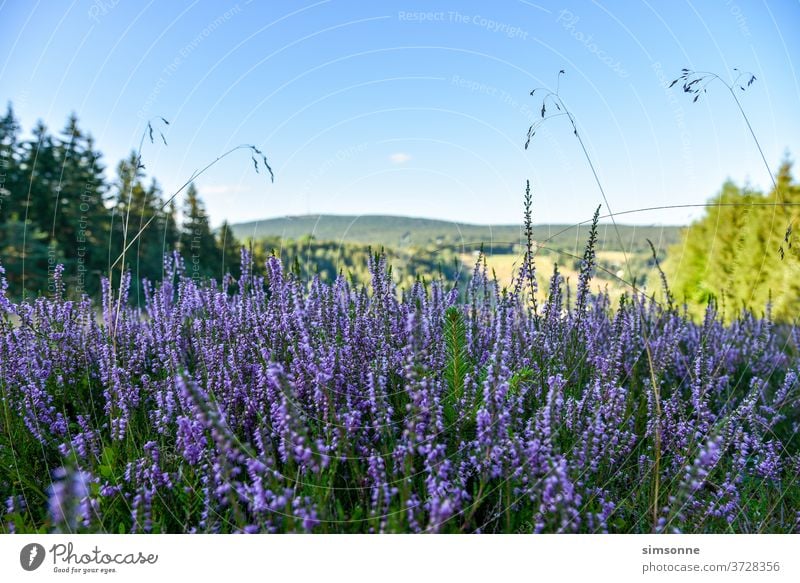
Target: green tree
[229,249]
[168,226]
[10,179]
[136,204]
[27,272]
[733,252]
[80,217]
[40,175]
[198,245]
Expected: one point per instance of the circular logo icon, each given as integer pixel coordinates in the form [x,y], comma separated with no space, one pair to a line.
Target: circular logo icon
[31,556]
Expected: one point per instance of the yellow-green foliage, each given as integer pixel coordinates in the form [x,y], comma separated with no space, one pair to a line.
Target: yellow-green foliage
[733,253]
[309,257]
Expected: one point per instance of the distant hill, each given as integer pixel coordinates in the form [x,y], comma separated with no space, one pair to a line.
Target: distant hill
[399,232]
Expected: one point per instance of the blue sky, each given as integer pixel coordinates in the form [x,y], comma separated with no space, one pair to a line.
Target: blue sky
[416,108]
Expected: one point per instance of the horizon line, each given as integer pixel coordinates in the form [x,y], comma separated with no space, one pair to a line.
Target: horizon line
[457,222]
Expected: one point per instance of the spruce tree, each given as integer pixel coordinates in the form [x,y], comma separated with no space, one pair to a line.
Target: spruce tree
[40,175]
[229,250]
[198,245]
[80,216]
[10,182]
[168,227]
[136,204]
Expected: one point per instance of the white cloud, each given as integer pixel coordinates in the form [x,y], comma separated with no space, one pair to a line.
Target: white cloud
[220,189]
[400,158]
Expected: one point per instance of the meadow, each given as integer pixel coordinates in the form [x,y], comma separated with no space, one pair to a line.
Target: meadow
[280,403]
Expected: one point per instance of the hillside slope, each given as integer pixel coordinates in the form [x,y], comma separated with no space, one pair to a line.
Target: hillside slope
[399,232]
